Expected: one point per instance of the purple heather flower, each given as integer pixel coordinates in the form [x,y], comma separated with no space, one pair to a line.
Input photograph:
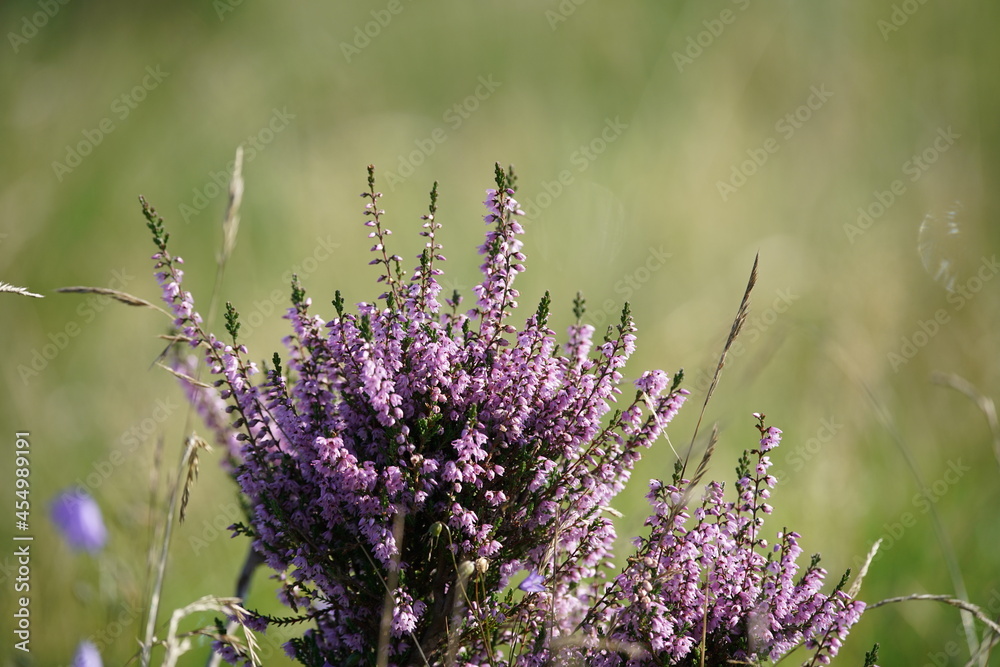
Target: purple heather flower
[78,518]
[772,436]
[653,382]
[533,583]
[713,578]
[405,437]
[86,655]
[209,405]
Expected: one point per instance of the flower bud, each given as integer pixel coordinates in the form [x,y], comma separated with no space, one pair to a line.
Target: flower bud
[465,569]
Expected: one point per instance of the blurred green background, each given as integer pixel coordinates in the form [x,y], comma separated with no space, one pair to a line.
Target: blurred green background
[659,145]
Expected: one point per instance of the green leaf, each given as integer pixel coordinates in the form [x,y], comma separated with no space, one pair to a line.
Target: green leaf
[579,306]
[543,309]
[298,294]
[232,321]
[338,303]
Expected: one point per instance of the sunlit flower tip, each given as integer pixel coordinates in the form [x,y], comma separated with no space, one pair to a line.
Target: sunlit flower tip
[533,583]
[78,518]
[86,656]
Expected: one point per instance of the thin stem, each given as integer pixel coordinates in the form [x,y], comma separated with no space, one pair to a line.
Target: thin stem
[947,599]
[161,566]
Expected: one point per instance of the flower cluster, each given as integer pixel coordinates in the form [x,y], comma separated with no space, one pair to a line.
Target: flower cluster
[720,589]
[407,461]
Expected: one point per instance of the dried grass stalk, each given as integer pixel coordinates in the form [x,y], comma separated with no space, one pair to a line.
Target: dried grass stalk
[23,291]
[117,295]
[734,332]
[195,443]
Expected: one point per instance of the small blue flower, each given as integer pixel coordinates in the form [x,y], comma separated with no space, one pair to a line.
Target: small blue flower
[87,656]
[533,583]
[78,518]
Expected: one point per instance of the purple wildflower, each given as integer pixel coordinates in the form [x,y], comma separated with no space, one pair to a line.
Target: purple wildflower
[86,655]
[447,451]
[533,583]
[719,579]
[78,518]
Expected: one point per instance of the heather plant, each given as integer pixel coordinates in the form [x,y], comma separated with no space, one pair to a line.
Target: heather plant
[432,485]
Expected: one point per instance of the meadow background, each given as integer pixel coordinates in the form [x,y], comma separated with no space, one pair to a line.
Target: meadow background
[659,145]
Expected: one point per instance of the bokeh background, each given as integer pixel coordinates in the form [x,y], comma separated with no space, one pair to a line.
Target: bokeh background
[660,146]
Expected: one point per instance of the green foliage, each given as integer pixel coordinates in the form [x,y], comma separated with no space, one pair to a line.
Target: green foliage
[871,657]
[155,224]
[298,294]
[543,310]
[232,321]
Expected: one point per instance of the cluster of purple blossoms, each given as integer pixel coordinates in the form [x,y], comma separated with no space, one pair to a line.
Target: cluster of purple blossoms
[719,588]
[413,462]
